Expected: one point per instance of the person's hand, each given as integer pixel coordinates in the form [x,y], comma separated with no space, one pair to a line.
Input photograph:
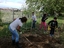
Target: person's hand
[20,32]
[18,28]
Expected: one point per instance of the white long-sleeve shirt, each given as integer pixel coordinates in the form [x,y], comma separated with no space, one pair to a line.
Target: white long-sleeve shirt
[34,18]
[16,23]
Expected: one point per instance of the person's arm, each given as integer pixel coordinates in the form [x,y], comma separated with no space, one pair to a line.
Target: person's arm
[19,25]
[46,17]
[56,24]
[49,22]
[18,28]
[14,19]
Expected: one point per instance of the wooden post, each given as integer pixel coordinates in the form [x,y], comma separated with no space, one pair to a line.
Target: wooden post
[13,14]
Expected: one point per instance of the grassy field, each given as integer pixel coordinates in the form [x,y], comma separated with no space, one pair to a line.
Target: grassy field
[5,32]
[7,15]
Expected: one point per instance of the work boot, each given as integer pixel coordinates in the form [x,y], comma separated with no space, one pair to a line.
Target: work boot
[17,45]
[13,42]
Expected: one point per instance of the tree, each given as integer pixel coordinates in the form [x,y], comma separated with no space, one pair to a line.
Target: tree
[49,6]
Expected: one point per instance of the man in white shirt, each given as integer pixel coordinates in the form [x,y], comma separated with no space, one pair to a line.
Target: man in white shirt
[33,20]
[14,27]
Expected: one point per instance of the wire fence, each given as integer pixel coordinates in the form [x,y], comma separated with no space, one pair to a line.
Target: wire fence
[8,15]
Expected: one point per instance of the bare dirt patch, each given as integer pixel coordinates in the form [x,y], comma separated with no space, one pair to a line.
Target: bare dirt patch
[32,41]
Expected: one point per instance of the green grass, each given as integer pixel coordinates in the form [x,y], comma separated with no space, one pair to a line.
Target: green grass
[5,31]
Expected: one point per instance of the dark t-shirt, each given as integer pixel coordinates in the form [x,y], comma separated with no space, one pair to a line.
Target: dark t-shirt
[44,18]
[53,24]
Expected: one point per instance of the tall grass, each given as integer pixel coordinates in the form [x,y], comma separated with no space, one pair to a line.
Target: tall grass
[4,31]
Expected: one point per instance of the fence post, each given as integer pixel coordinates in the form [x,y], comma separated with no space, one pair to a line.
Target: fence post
[13,14]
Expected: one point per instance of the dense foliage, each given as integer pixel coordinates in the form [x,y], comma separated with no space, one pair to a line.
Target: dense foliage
[49,6]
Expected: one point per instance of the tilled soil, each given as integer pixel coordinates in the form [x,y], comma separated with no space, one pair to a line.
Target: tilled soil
[32,41]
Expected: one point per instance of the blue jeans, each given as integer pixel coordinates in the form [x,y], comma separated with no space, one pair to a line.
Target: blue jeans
[33,25]
[15,35]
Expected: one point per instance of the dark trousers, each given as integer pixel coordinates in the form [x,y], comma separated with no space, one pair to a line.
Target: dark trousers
[33,25]
[52,31]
